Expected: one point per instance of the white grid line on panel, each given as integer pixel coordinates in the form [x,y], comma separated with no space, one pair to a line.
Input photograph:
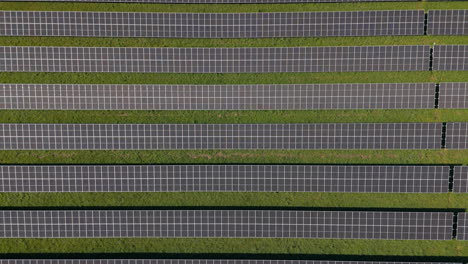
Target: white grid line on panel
[460,179]
[450,58]
[228,223]
[457,136]
[447,22]
[217,97]
[214,60]
[225,178]
[453,95]
[222,136]
[462,226]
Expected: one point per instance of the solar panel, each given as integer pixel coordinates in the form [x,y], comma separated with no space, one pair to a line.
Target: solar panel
[460,179]
[217,97]
[457,136]
[450,58]
[227,223]
[193,261]
[212,25]
[447,22]
[216,1]
[225,178]
[221,136]
[462,226]
[453,95]
[214,60]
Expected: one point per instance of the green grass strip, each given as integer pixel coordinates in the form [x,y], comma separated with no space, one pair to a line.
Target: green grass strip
[228,117]
[233,78]
[442,156]
[240,199]
[238,245]
[249,42]
[226,8]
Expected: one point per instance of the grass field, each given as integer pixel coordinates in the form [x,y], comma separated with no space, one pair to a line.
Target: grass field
[270,248]
[227,117]
[228,8]
[279,42]
[237,156]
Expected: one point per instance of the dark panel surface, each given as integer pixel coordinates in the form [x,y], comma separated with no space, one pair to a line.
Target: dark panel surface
[450,58]
[462,227]
[228,223]
[460,179]
[217,97]
[222,136]
[214,60]
[225,178]
[457,136]
[453,95]
[192,261]
[447,22]
[212,25]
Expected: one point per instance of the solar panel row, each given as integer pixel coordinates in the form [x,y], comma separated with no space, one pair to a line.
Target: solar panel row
[450,58]
[193,261]
[232,97]
[462,226]
[227,223]
[457,136]
[447,22]
[453,95]
[214,60]
[223,136]
[460,179]
[212,25]
[228,97]
[232,25]
[232,60]
[227,178]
